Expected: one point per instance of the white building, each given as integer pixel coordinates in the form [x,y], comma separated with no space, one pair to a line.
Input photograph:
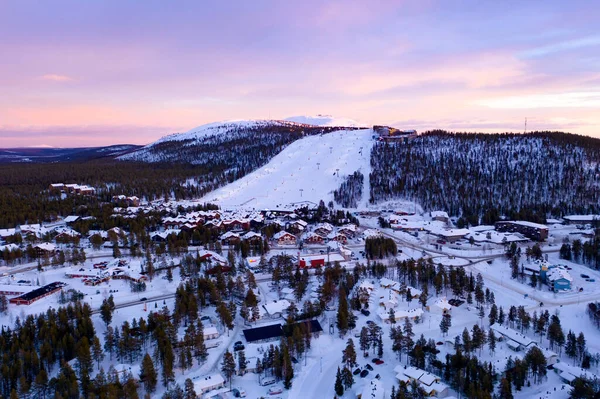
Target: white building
[210,332]
[276,309]
[208,383]
[514,339]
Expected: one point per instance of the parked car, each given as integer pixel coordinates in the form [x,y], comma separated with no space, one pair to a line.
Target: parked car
[268,381]
[356,372]
[239,392]
[369,367]
[584,275]
[144,299]
[275,391]
[294,360]
[364,373]
[365,312]
[378,361]
[369,322]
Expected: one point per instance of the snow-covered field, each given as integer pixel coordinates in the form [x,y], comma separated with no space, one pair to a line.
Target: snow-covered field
[317,165]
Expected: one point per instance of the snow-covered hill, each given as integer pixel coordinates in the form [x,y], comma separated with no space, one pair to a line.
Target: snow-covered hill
[324,120]
[317,165]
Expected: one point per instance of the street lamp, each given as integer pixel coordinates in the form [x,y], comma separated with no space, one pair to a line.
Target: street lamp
[301,192]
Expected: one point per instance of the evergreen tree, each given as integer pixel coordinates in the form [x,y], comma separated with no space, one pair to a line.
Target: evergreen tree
[228,366]
[190,393]
[339,384]
[342,313]
[148,375]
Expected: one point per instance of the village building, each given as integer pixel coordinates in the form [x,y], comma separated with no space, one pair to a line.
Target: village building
[276,309]
[230,238]
[557,277]
[210,332]
[337,237]
[29,297]
[284,238]
[441,306]
[45,249]
[208,383]
[319,260]
[581,219]
[252,237]
[440,216]
[323,229]
[431,383]
[533,231]
[514,339]
[313,238]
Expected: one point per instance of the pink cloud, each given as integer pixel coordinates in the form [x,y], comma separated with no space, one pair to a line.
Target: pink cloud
[56,78]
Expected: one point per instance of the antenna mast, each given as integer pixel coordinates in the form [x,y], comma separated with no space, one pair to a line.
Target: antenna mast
[525,125]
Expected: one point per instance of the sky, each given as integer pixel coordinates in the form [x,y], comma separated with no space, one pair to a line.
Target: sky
[79,73]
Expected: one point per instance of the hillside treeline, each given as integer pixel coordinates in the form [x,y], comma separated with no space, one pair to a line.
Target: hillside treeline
[350,191]
[483,176]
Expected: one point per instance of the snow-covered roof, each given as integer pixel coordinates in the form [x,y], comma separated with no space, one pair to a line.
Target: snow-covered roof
[281,234]
[582,218]
[400,313]
[207,382]
[528,224]
[324,226]
[210,330]
[443,304]
[251,234]
[9,247]
[7,232]
[558,273]
[439,214]
[276,306]
[513,335]
[71,219]
[372,233]
[46,246]
[569,372]
[229,234]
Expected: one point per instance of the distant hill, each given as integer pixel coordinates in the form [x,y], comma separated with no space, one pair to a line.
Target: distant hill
[45,155]
[226,151]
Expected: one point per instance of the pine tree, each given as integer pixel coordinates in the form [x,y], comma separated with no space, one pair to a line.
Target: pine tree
[349,354]
[190,393]
[339,385]
[148,375]
[4,304]
[505,389]
[228,366]
[288,369]
[97,353]
[342,314]
[241,362]
[347,378]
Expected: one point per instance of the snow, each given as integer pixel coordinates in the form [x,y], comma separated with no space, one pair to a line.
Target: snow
[373,390]
[317,165]
[324,120]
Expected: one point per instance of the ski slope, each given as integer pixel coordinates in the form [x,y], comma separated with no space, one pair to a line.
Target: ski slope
[324,120]
[317,165]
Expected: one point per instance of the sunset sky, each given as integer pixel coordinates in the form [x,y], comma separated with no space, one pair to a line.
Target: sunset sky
[92,72]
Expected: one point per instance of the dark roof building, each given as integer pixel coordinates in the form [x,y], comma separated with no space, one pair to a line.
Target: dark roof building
[273,331]
[265,333]
[42,292]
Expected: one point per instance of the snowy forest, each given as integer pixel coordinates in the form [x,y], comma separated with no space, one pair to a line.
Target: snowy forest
[483,176]
[350,191]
